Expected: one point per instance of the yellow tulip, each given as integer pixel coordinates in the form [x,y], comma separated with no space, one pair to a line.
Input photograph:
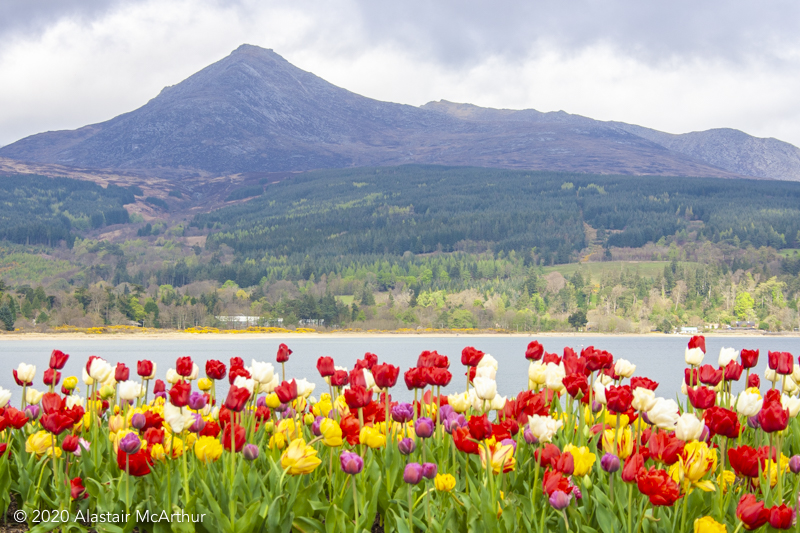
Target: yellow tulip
[624,442]
[272,400]
[300,404]
[611,420]
[371,437]
[173,444]
[331,433]
[288,428]
[322,407]
[116,423]
[278,440]
[70,383]
[726,479]
[208,449]
[697,461]
[204,384]
[106,392]
[299,458]
[157,452]
[583,459]
[444,482]
[41,443]
[501,457]
[308,419]
[709,525]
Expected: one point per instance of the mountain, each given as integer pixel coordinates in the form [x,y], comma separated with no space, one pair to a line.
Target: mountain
[253,111]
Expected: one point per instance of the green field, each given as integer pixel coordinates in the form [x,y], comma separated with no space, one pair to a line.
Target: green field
[31,269]
[646,268]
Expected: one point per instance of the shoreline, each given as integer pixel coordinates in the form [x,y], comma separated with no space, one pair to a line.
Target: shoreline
[173,335]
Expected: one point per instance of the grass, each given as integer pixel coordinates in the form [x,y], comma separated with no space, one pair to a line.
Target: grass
[32,269]
[346,299]
[648,269]
[789,252]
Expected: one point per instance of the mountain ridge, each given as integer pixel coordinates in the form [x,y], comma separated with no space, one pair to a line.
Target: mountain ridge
[253,111]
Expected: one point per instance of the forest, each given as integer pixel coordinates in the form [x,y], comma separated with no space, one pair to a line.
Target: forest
[410,247]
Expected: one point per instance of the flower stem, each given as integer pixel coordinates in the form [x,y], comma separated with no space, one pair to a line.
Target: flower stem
[355,499]
[410,510]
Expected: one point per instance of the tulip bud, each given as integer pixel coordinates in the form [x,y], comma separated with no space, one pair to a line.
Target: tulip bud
[351,463]
[429,470]
[705,435]
[794,464]
[250,452]
[407,446]
[115,423]
[412,473]
[130,443]
[197,401]
[32,411]
[596,406]
[198,424]
[315,426]
[609,463]
[138,420]
[423,427]
[587,482]
[529,437]
[559,500]
[752,421]
[402,413]
[106,392]
[308,419]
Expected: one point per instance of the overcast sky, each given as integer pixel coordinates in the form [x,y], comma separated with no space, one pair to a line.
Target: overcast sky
[677,66]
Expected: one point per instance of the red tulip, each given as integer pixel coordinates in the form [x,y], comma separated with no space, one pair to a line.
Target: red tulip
[565,464]
[159,387]
[553,481]
[58,359]
[441,361]
[479,427]
[183,366]
[357,397]
[464,442]
[658,486]
[753,381]
[534,351]
[548,455]
[618,399]
[633,464]
[237,371]
[357,378]
[427,359]
[325,366]
[339,378]
[152,420]
[575,384]
[154,436]
[413,378]
[238,437]
[237,398]
[75,412]
[51,377]
[701,397]
[471,373]
[733,371]
[781,362]
[710,375]
[470,356]
[665,447]
[52,403]
[215,369]
[179,394]
[76,489]
[236,362]
[144,368]
[56,423]
[350,429]
[283,353]
[19,382]
[551,358]
[721,421]
[70,443]
[138,464]
[15,418]
[645,383]
[370,360]
[121,373]
[749,358]
[698,341]
[211,429]
[751,512]
[597,359]
[744,461]
[385,375]
[781,516]
[438,377]
[286,391]
[89,363]
[773,417]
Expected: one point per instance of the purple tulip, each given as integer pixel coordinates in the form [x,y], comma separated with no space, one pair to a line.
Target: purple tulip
[444,413]
[412,473]
[429,470]
[130,443]
[32,411]
[609,463]
[559,500]
[577,492]
[511,442]
[250,452]
[794,464]
[282,407]
[705,435]
[198,424]
[402,412]
[197,401]
[646,418]
[407,446]
[315,427]
[352,463]
[261,401]
[596,406]
[529,437]
[161,395]
[138,420]
[454,421]
[753,422]
[423,427]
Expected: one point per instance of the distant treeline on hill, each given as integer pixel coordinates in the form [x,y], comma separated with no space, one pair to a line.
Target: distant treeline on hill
[41,210]
[423,209]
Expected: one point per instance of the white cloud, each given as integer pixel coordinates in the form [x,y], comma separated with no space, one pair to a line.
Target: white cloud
[663,69]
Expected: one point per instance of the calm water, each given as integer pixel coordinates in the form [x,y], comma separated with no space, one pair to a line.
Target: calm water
[660,358]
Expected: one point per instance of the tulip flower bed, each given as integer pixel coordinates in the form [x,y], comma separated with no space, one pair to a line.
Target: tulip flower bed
[589,447]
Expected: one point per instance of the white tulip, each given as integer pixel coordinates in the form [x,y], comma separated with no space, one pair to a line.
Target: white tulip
[459,402]
[643,399]
[664,414]
[5,397]
[792,404]
[33,396]
[536,373]
[485,388]
[130,390]
[684,388]
[544,428]
[789,385]
[73,400]
[796,373]
[100,370]
[694,356]
[262,372]
[554,377]
[153,375]
[244,383]
[689,427]
[624,368]
[498,402]
[477,404]
[605,379]
[305,387]
[173,377]
[488,360]
[486,372]
[370,381]
[726,355]
[195,372]
[770,375]
[26,373]
[178,418]
[86,378]
[269,386]
[599,392]
[748,404]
